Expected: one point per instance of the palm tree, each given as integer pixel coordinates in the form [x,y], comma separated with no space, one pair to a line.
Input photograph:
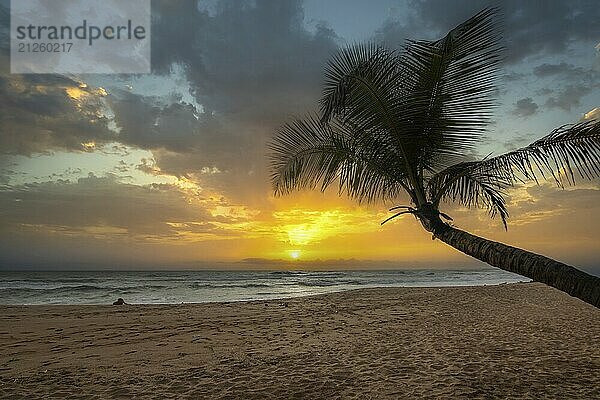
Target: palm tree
[394,122]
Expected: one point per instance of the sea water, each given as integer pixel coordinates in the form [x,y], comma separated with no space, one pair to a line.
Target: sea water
[152,287]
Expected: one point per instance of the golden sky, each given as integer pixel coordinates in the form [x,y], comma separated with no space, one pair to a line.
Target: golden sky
[170,169]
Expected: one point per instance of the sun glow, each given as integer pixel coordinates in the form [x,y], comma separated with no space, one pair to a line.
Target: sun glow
[301,227]
[303,234]
[295,254]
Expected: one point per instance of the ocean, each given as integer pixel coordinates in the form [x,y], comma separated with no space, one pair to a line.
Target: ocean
[151,287]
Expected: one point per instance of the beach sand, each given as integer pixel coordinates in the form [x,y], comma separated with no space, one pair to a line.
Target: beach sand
[524,341]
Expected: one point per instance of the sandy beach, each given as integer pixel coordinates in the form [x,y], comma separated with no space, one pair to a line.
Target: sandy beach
[524,341]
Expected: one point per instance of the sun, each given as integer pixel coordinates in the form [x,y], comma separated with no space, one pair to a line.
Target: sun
[295,254]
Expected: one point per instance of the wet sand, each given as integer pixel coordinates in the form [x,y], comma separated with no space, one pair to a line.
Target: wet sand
[524,341]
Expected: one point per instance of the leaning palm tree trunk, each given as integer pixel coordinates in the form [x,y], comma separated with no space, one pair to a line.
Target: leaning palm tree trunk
[537,267]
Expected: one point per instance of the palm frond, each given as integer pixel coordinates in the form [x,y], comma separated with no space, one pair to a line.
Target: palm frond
[451,85]
[567,151]
[362,89]
[360,72]
[471,185]
[307,153]
[434,99]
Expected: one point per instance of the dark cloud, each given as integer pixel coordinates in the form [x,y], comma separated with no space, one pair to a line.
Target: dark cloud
[148,166]
[525,108]
[569,73]
[122,167]
[547,69]
[569,97]
[248,59]
[393,33]
[513,76]
[249,65]
[146,123]
[531,27]
[98,203]
[544,91]
[571,84]
[219,150]
[37,114]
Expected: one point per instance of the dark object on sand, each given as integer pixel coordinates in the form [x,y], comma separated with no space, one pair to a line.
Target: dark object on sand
[119,302]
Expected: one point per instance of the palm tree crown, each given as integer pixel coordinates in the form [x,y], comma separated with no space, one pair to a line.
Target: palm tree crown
[404,121]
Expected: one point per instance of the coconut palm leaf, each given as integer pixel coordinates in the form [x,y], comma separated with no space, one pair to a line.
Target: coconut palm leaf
[457,75]
[567,151]
[361,89]
[308,153]
[356,68]
[433,99]
[472,185]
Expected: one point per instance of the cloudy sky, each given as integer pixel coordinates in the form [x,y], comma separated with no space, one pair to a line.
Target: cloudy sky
[170,168]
